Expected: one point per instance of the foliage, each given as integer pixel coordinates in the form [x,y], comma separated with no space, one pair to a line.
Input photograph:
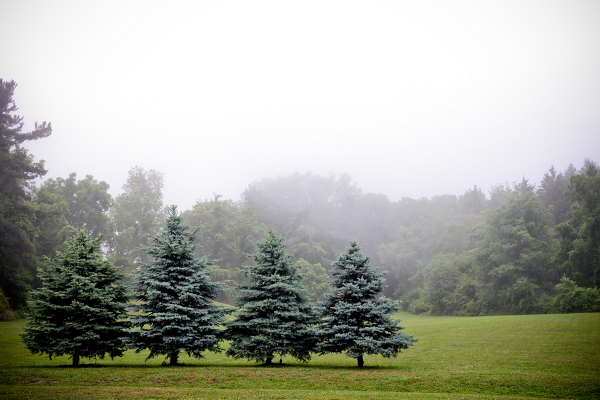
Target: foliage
[228,233]
[552,193]
[319,214]
[415,303]
[302,245]
[441,225]
[85,202]
[274,317]
[514,255]
[315,279]
[65,204]
[473,201]
[5,312]
[449,286]
[500,194]
[18,171]
[571,298]
[77,310]
[354,321]
[136,213]
[51,226]
[175,310]
[416,244]
[428,280]
[579,256]
[410,235]
[523,188]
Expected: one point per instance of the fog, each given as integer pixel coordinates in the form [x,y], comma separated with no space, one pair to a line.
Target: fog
[410,98]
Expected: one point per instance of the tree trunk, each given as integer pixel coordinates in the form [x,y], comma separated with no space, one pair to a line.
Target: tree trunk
[174,358]
[268,362]
[361,362]
[76,359]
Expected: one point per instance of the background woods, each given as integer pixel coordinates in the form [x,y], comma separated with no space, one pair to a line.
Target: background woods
[521,247]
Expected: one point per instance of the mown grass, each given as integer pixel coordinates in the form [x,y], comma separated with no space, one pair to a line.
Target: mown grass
[499,357]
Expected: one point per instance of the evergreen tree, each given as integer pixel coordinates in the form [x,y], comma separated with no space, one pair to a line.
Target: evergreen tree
[18,172]
[274,316]
[552,194]
[579,256]
[514,256]
[77,310]
[354,320]
[176,311]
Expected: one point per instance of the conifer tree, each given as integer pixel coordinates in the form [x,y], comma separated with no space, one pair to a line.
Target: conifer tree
[77,310]
[176,311]
[274,317]
[18,171]
[355,321]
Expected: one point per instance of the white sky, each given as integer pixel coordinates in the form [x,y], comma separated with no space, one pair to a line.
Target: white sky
[412,98]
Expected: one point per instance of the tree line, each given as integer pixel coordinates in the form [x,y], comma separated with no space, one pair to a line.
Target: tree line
[520,248]
[79,310]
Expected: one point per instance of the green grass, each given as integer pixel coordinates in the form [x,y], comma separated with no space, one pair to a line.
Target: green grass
[500,357]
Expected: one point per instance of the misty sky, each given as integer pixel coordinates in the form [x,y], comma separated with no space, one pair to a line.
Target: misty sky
[411,98]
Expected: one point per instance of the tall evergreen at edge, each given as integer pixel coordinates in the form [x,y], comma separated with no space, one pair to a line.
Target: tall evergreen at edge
[19,260]
[176,311]
[354,320]
[274,317]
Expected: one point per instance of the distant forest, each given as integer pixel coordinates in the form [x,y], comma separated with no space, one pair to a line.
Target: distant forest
[524,247]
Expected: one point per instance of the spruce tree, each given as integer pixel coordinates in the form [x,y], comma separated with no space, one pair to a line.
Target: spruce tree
[274,318]
[176,311]
[355,321]
[77,310]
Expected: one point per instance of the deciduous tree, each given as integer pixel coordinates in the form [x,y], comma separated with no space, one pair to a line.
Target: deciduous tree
[136,213]
[315,280]
[228,233]
[65,204]
[86,201]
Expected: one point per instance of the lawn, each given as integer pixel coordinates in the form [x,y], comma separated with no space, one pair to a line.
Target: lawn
[499,357]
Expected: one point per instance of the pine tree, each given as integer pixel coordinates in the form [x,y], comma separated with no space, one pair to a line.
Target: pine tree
[274,317]
[354,320]
[77,310]
[18,214]
[176,311]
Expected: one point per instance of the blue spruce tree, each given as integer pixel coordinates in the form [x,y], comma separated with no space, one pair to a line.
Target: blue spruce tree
[176,311]
[274,318]
[77,310]
[355,321]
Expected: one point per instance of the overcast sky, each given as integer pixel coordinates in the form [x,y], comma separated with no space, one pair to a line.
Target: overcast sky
[411,98]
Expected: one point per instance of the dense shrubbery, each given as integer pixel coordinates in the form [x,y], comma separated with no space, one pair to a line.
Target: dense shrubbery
[5,312]
[571,298]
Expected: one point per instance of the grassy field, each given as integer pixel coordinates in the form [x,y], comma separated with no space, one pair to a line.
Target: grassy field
[500,357]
